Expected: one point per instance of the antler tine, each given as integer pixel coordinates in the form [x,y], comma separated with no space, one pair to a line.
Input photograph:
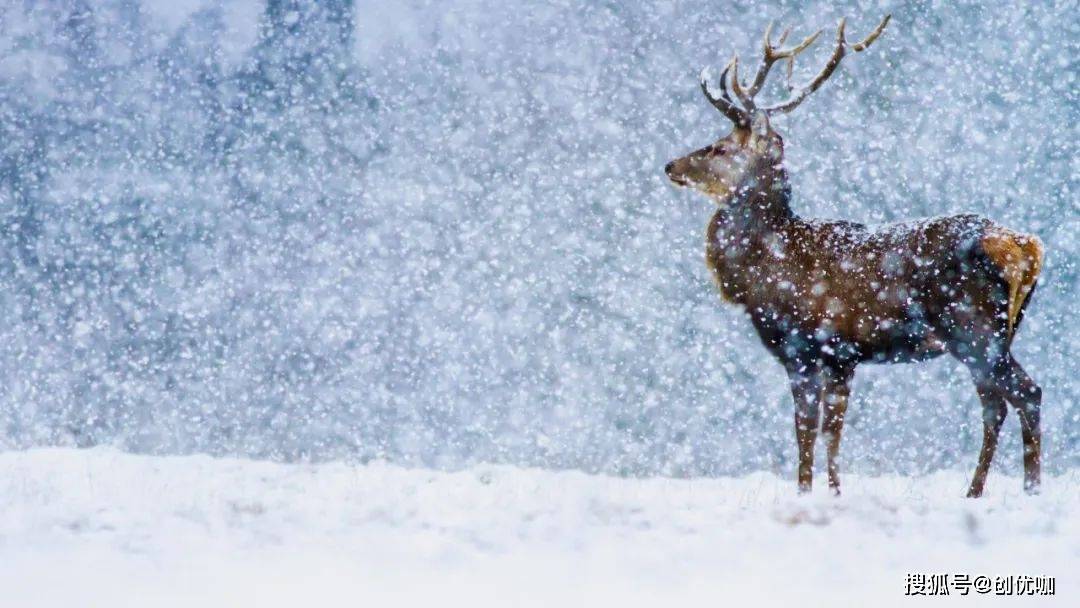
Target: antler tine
[830,66]
[783,37]
[763,69]
[722,103]
[771,55]
[744,97]
[723,83]
[792,52]
[862,46]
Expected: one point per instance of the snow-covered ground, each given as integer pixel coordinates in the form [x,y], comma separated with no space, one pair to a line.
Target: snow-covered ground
[104,528]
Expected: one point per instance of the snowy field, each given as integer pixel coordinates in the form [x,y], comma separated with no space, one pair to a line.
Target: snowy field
[103,528]
[430,234]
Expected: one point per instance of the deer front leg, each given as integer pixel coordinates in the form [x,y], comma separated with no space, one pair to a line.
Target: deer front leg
[835,397]
[806,390]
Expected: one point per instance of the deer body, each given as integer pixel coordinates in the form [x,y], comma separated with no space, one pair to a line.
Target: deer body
[841,292]
[825,296]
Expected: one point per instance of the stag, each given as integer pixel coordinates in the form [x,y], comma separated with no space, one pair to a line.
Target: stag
[825,296]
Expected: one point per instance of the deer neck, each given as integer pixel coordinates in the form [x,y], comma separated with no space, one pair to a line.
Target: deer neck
[740,229]
[760,201]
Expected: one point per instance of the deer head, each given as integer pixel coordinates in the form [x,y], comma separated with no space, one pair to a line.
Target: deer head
[751,154]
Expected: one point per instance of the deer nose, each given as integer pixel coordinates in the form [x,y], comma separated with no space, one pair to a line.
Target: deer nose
[668,167]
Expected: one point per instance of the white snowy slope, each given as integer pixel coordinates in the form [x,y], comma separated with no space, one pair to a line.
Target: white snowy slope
[104,528]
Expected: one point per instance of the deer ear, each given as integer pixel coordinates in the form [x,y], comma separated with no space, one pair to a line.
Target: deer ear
[759,124]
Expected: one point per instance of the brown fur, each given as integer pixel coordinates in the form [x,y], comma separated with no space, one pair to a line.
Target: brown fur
[827,296]
[1019,258]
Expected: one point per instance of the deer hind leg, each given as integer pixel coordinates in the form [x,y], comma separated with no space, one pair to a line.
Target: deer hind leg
[835,397]
[994,411]
[806,391]
[1026,397]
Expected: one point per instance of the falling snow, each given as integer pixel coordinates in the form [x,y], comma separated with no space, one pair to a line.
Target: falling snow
[438,235]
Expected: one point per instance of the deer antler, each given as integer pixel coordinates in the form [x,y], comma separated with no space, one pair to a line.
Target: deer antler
[724,103]
[770,55]
[830,66]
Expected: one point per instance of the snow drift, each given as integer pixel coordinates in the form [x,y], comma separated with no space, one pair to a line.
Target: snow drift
[104,528]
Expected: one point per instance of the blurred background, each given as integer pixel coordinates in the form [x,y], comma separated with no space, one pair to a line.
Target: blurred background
[437,232]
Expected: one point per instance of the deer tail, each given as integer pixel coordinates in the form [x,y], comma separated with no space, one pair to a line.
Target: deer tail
[1018,258]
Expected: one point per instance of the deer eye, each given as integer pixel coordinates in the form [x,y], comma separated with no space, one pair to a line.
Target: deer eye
[718,151]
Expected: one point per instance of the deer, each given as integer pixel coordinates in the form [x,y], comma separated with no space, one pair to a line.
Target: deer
[825,296]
